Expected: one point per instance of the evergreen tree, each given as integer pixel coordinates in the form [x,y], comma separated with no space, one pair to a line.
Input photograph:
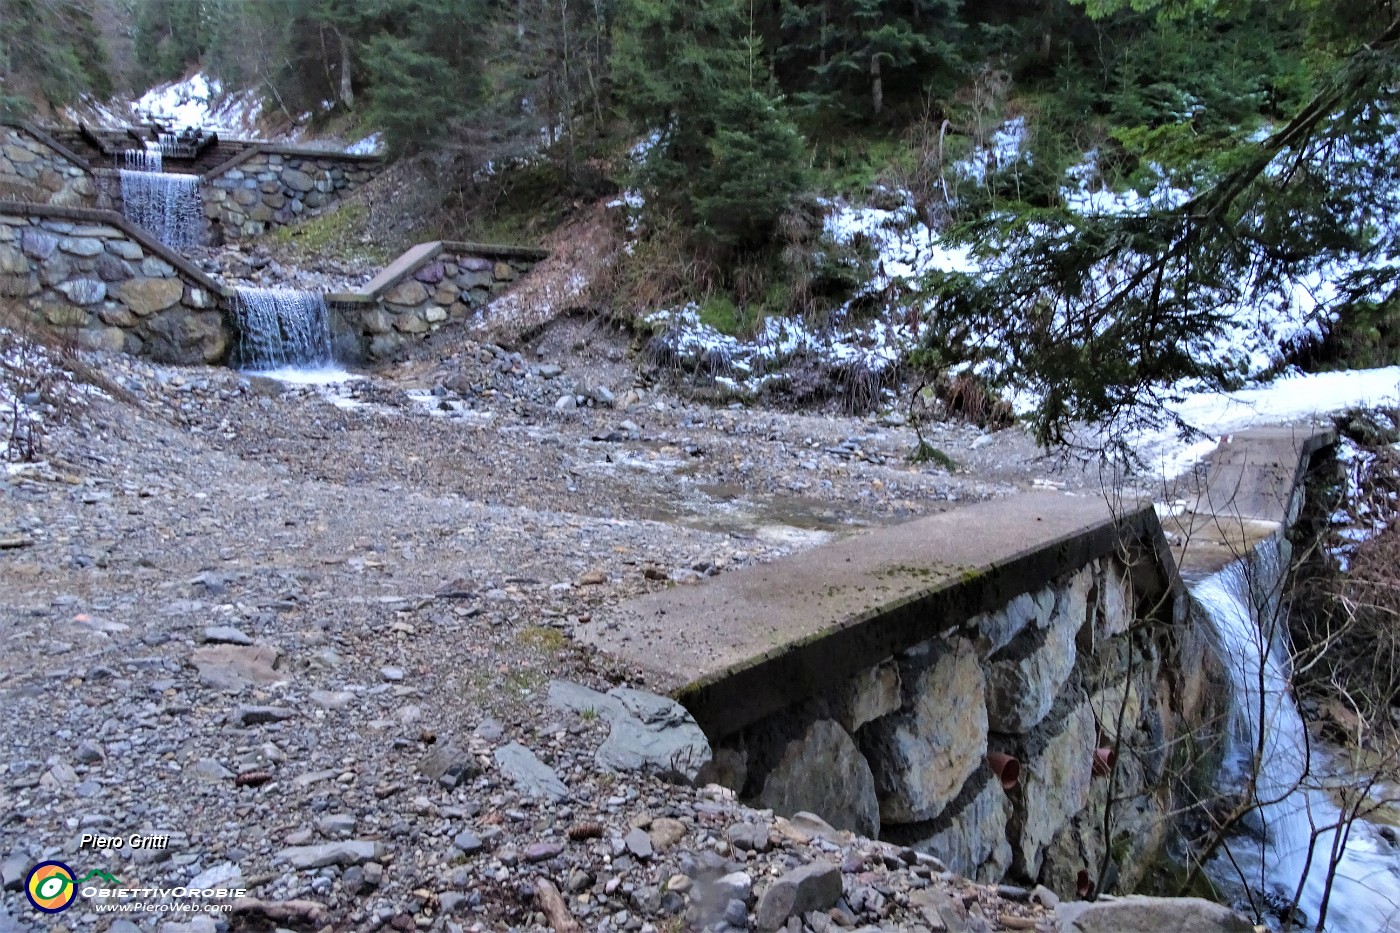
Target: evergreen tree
[855,49]
[728,158]
[50,49]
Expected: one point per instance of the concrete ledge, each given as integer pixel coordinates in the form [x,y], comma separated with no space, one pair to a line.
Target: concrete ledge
[415,257]
[756,641]
[88,215]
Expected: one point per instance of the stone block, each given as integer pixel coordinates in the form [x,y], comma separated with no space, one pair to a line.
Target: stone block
[871,694]
[148,295]
[823,772]
[407,294]
[922,755]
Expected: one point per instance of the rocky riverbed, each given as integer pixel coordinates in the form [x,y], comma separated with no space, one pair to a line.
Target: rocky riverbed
[311,635]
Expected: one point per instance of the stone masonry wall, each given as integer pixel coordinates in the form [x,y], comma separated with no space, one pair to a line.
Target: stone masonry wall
[30,170]
[95,282]
[446,289]
[273,189]
[902,749]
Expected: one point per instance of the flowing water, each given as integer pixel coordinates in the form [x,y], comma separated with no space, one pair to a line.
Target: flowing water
[283,329]
[1293,784]
[149,159]
[167,205]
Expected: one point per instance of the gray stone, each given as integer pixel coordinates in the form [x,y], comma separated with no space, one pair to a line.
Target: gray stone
[922,756]
[529,773]
[37,244]
[297,180]
[80,246]
[449,765]
[565,403]
[126,249]
[602,395]
[226,635]
[974,843]
[13,871]
[391,673]
[823,772]
[224,874]
[207,769]
[336,826]
[430,274]
[812,887]
[649,733]
[1055,785]
[88,752]
[156,268]
[1150,915]
[639,844]
[468,841]
[542,851]
[736,886]
[997,629]
[872,693]
[1022,684]
[748,837]
[332,699]
[84,291]
[257,715]
[349,852]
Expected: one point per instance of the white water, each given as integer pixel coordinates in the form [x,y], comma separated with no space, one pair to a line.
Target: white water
[167,205]
[1365,895]
[143,160]
[282,331]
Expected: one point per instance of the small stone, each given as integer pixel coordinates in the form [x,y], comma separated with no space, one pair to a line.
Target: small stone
[639,844]
[565,403]
[336,826]
[207,769]
[542,851]
[226,635]
[665,833]
[736,914]
[350,852]
[13,871]
[529,773]
[257,715]
[736,885]
[468,841]
[749,837]
[88,752]
[449,765]
[490,730]
[332,699]
[393,674]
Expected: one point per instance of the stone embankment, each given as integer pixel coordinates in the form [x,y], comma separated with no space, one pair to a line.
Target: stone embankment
[92,277]
[35,167]
[272,186]
[1021,688]
[430,286]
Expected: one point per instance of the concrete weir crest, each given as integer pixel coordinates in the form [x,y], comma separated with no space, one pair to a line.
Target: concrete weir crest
[981,684]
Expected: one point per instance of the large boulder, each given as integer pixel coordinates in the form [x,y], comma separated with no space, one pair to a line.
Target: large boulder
[1025,678]
[973,843]
[1149,915]
[921,756]
[1055,785]
[147,296]
[823,772]
[649,733]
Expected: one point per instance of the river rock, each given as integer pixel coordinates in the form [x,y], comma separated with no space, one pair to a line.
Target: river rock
[649,733]
[449,765]
[349,852]
[921,756]
[234,667]
[824,773]
[1150,915]
[410,293]
[812,887]
[529,773]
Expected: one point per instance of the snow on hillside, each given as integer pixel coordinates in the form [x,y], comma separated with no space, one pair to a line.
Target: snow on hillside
[199,101]
[907,250]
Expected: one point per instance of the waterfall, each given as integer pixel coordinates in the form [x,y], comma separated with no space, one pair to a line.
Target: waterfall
[1244,603]
[280,328]
[167,205]
[142,160]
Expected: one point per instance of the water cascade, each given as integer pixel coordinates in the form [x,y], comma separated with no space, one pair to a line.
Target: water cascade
[281,328]
[167,205]
[142,160]
[1244,603]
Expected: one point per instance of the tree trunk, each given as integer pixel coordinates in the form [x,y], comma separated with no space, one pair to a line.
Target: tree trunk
[347,92]
[877,86]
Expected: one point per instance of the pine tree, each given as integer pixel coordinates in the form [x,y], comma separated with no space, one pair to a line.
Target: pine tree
[728,158]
